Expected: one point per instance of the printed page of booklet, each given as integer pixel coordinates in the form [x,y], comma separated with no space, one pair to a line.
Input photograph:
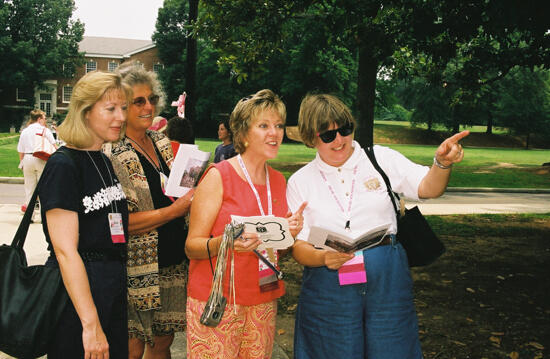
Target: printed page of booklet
[187,168]
[326,239]
[273,231]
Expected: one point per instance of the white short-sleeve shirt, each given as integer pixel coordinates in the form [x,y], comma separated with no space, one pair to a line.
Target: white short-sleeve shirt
[26,139]
[371,204]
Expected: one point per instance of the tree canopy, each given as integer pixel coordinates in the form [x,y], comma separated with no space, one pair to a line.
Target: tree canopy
[463,43]
[38,41]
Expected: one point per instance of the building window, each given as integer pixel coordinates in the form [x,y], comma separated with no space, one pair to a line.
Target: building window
[45,103]
[157,67]
[139,64]
[67,92]
[112,66]
[91,66]
[21,95]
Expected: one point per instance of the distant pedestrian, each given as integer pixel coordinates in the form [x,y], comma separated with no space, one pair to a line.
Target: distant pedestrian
[179,130]
[225,150]
[32,166]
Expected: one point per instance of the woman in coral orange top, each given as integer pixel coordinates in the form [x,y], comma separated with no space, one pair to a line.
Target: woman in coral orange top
[245,186]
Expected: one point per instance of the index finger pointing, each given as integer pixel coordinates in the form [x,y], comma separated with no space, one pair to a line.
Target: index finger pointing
[301,209]
[457,137]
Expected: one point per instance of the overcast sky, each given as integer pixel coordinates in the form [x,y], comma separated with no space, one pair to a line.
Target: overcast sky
[131,19]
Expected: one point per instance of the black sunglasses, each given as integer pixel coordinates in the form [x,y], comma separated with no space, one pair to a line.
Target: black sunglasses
[141,101]
[329,136]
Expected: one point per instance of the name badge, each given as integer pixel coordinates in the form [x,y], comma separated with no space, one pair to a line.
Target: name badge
[116,227]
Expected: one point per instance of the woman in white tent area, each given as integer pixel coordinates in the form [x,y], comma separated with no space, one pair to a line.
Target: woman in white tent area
[373,317]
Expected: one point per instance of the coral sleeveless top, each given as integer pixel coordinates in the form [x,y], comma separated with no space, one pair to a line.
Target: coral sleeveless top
[238,199]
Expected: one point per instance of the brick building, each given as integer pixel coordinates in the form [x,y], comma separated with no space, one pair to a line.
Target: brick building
[100,53]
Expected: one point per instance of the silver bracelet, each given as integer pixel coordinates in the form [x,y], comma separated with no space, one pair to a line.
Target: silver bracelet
[440,165]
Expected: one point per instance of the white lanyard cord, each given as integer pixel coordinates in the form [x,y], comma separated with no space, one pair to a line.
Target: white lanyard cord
[114,209]
[269,204]
[333,193]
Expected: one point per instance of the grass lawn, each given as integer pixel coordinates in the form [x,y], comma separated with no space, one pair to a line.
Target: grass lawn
[482,166]
[496,130]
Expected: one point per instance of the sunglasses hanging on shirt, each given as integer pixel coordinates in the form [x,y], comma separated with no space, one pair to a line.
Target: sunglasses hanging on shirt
[329,136]
[141,101]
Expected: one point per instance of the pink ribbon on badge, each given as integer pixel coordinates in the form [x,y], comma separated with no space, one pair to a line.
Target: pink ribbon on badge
[353,271]
[180,104]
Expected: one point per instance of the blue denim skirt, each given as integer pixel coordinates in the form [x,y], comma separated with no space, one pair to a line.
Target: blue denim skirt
[374,320]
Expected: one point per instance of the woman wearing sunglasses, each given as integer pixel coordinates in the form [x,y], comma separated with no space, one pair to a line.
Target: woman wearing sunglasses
[369,314]
[157,265]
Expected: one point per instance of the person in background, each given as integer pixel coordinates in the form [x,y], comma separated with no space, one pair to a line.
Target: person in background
[159,124]
[224,150]
[375,316]
[85,221]
[32,166]
[245,186]
[157,265]
[179,130]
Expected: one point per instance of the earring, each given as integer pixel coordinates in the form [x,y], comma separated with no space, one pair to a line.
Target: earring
[245,144]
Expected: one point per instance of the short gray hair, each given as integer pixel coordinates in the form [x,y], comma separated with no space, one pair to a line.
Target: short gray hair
[134,74]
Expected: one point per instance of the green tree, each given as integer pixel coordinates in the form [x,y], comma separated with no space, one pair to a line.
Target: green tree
[523,103]
[471,46]
[38,41]
[249,32]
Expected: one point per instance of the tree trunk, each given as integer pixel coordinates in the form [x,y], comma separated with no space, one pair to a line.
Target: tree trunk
[527,138]
[489,124]
[366,86]
[191,67]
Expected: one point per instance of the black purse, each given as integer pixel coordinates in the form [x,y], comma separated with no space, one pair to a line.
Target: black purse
[32,298]
[413,231]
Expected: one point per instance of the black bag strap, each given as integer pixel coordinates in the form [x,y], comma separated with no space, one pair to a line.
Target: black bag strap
[370,154]
[23,229]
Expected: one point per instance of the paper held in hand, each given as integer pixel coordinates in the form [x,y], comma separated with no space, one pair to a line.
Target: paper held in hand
[273,231]
[323,238]
[187,168]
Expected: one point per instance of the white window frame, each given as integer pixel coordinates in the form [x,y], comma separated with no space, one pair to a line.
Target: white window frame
[111,63]
[63,94]
[17,98]
[89,63]
[157,67]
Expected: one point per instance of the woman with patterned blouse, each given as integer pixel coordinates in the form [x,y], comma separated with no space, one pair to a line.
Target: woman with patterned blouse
[157,265]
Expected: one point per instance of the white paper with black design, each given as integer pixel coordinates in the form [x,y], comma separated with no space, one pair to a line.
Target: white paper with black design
[273,231]
[187,168]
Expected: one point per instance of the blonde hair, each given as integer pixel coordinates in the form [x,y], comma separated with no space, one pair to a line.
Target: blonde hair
[90,89]
[247,109]
[134,74]
[318,112]
[36,114]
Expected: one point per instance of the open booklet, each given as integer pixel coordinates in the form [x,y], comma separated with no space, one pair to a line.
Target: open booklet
[187,168]
[273,231]
[323,238]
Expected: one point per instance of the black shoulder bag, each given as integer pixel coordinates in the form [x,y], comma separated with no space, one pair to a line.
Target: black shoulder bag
[32,298]
[413,231]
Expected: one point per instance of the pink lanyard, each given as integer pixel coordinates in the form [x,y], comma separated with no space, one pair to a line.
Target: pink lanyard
[269,205]
[331,189]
